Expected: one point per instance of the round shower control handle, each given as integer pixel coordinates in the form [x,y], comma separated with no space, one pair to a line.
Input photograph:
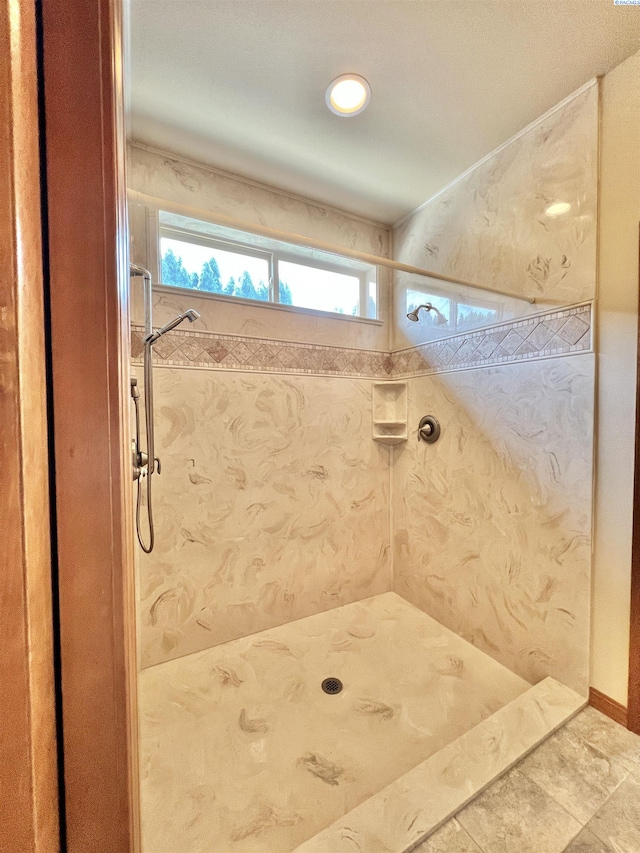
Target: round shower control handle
[428,429]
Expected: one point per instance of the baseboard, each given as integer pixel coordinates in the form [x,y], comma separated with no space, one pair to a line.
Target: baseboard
[607,706]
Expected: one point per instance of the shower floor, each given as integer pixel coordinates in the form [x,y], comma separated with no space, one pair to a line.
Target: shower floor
[241,750]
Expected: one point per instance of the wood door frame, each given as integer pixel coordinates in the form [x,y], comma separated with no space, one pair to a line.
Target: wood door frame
[633,701]
[28,769]
[87,255]
[82,42]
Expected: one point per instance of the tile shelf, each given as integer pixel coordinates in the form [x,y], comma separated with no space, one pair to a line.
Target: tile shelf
[389,412]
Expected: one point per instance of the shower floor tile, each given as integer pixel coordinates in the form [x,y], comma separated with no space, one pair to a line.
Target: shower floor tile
[242,751]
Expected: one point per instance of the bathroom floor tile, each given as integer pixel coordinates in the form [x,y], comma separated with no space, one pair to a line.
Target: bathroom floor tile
[587,842]
[609,737]
[450,838]
[242,751]
[515,815]
[575,773]
[617,823]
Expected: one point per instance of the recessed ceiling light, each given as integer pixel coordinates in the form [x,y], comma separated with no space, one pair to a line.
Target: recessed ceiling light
[348,95]
[558,209]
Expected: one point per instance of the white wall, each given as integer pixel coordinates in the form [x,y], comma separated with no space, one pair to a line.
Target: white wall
[617,321]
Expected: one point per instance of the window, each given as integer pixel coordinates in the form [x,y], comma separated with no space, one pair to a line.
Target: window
[444,306]
[213,259]
[320,289]
[213,267]
[475,316]
[460,316]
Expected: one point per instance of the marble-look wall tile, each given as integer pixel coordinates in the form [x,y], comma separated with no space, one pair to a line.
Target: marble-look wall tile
[490,227]
[492,524]
[273,503]
[231,317]
[166,176]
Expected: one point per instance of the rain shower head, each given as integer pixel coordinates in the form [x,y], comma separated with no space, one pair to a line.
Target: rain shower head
[413,315]
[189,315]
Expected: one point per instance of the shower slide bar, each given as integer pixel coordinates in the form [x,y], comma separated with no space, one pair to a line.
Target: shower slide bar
[146,463]
[136,197]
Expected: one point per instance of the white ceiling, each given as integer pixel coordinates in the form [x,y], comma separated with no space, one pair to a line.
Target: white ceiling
[240,84]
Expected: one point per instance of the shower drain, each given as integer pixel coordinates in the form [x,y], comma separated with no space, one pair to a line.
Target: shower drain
[332,685]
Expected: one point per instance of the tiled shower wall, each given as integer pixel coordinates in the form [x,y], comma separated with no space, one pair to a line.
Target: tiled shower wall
[490,226]
[492,525]
[274,502]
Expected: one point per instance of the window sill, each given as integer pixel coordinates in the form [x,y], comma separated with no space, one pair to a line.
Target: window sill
[257,303]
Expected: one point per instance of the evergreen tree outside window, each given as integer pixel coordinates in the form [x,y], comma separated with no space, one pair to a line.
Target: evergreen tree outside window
[197,267]
[210,280]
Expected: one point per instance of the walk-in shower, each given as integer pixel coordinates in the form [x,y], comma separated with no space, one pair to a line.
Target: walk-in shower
[320,620]
[368,593]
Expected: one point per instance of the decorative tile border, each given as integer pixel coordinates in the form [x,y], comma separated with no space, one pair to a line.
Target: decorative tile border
[234,352]
[554,333]
[542,335]
[410,809]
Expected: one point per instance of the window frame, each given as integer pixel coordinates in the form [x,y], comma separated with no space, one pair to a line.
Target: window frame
[273,258]
[185,236]
[455,300]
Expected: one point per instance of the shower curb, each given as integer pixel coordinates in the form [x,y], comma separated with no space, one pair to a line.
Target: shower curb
[407,811]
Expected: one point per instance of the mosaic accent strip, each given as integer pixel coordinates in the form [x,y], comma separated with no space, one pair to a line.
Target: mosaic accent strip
[555,333]
[234,352]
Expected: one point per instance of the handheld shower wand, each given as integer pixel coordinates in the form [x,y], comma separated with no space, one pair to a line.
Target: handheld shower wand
[189,315]
[146,463]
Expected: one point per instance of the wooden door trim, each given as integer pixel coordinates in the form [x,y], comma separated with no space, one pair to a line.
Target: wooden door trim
[633,702]
[89,327]
[28,769]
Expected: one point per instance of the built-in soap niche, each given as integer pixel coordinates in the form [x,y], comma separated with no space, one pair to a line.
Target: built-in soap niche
[389,412]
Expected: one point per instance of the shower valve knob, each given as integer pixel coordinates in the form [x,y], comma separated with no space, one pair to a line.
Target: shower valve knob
[428,429]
